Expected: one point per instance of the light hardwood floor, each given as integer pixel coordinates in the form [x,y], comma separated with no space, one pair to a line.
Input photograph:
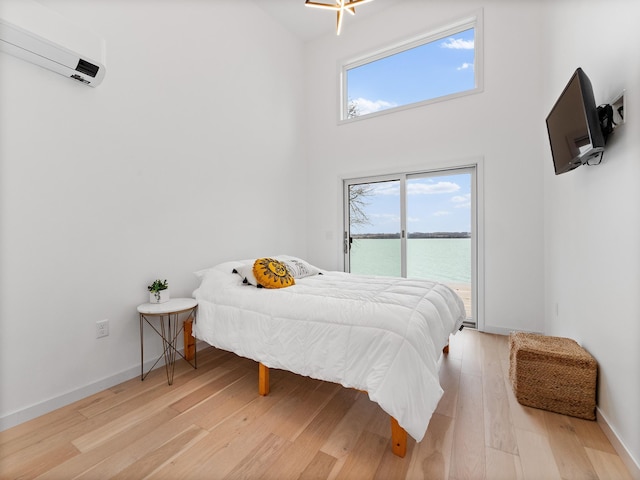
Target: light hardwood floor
[212,424]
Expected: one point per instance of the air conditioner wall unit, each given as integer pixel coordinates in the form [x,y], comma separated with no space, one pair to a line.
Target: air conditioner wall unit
[30,31]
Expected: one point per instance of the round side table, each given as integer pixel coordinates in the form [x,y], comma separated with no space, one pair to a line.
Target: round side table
[169,330]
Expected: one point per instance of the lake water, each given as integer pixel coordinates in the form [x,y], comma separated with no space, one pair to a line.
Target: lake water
[446,260]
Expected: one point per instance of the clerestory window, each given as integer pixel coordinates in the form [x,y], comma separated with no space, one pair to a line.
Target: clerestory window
[438,65]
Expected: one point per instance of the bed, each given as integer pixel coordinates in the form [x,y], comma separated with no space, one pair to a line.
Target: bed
[381,335]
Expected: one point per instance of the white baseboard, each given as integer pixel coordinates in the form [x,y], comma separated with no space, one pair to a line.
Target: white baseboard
[496,330]
[631,463]
[501,330]
[34,411]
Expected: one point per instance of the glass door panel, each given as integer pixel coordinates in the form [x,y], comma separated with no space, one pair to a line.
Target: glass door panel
[373,241]
[439,230]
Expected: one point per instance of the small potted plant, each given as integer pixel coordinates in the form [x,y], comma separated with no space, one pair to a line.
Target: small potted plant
[158,291]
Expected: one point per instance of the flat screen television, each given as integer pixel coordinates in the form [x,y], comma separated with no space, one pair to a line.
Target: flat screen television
[574,130]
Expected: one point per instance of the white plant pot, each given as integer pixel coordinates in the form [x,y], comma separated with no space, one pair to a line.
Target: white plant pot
[159,297]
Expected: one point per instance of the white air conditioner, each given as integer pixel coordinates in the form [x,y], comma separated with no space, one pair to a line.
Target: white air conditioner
[34,33]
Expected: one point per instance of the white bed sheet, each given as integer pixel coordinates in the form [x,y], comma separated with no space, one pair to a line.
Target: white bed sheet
[383,335]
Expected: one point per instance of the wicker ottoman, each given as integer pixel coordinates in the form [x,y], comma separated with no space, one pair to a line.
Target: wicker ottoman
[553,373]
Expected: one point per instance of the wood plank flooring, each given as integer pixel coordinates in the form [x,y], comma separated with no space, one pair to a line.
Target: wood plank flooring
[211,423]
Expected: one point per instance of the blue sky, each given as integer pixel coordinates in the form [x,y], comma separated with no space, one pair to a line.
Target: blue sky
[435,69]
[434,204]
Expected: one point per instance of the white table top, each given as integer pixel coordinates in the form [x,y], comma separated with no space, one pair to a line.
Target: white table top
[172,306]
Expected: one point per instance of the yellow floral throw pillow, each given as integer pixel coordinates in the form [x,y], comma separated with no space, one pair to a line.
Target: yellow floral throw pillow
[271,273]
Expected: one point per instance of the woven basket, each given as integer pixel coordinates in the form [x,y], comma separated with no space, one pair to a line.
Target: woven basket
[553,373]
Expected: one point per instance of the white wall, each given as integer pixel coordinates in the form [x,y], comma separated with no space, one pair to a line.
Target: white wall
[502,125]
[188,154]
[216,134]
[592,225]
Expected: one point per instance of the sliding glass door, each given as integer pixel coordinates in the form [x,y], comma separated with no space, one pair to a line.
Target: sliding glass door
[418,225]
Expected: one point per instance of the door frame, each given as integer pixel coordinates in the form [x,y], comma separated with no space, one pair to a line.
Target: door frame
[476,167]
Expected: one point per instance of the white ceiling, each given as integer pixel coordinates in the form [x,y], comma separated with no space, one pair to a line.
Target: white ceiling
[309,23]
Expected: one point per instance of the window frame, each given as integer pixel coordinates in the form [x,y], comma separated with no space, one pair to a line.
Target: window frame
[474,21]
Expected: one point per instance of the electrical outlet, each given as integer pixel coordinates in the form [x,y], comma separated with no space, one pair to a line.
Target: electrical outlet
[102,328]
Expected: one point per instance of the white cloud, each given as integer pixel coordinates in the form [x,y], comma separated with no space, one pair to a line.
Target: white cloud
[366,106]
[461,198]
[441,213]
[440,187]
[385,218]
[386,189]
[465,66]
[462,201]
[458,44]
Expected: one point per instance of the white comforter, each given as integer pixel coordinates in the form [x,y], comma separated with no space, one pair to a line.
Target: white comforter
[383,335]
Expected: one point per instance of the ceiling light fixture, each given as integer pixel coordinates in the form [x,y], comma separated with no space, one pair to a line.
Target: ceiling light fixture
[339,7]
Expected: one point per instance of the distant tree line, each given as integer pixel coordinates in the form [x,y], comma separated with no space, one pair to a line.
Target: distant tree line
[414,235]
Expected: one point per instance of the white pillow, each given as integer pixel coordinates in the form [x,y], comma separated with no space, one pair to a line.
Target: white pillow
[297,267]
[246,272]
[201,273]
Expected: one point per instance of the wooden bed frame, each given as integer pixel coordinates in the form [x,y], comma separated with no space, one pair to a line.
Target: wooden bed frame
[398,434]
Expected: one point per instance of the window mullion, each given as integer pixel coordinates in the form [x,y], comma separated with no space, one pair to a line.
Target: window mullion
[403,226]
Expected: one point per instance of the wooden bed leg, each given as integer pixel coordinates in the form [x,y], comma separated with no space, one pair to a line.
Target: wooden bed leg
[445,350]
[398,439]
[263,379]
[189,341]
